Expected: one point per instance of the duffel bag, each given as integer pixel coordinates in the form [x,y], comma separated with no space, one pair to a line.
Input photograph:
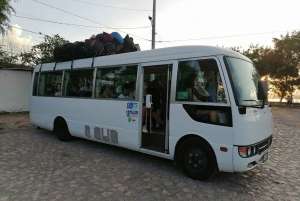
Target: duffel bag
[128,42]
[118,37]
[105,37]
[79,50]
[64,53]
[110,48]
[93,44]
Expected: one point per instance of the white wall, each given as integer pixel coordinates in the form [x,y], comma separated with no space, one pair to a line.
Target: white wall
[14,90]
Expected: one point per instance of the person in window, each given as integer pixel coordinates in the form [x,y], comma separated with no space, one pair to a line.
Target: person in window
[106,92]
[132,89]
[125,93]
[58,88]
[197,93]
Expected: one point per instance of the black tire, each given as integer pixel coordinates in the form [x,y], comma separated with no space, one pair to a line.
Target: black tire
[197,159]
[62,131]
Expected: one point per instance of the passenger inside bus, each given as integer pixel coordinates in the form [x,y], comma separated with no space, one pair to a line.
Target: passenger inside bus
[106,92]
[197,93]
[125,92]
[132,89]
[58,88]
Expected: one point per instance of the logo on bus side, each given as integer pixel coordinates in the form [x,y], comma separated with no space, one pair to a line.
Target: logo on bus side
[132,112]
[132,105]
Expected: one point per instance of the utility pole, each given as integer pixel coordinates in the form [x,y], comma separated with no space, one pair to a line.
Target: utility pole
[153,24]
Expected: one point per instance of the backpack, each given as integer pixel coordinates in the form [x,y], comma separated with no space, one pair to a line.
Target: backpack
[117,37]
[105,37]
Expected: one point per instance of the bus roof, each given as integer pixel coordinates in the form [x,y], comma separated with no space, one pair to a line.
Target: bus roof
[178,52]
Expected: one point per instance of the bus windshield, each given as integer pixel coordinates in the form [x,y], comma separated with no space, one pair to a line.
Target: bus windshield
[244,78]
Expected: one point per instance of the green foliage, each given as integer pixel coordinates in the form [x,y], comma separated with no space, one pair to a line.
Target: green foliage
[43,52]
[5,11]
[8,60]
[280,65]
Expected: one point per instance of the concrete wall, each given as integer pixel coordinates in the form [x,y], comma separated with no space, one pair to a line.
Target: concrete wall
[14,90]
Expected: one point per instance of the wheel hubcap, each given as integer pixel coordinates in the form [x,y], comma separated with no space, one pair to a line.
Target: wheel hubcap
[196,159]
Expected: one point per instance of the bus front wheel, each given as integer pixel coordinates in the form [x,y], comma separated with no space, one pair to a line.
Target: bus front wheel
[62,131]
[197,159]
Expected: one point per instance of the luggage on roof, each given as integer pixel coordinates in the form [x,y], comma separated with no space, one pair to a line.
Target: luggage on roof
[97,45]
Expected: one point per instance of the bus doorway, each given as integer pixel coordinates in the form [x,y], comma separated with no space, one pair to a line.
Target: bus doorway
[155,124]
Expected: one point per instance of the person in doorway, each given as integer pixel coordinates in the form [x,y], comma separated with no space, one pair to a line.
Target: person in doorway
[155,88]
[58,88]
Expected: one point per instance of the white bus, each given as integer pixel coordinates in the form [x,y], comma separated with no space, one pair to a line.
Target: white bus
[203,107]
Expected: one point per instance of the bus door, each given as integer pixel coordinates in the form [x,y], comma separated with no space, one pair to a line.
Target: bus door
[156,81]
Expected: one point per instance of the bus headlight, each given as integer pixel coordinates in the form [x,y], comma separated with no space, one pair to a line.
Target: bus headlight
[248,151]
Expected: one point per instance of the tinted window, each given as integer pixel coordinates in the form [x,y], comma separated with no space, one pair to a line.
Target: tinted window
[199,81]
[48,84]
[116,82]
[78,83]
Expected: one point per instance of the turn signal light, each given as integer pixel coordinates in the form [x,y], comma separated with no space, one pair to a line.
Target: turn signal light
[224,149]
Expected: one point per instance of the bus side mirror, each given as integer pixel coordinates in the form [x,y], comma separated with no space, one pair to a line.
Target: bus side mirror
[148,101]
[262,90]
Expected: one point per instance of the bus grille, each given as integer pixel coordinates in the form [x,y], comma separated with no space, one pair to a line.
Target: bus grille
[264,145]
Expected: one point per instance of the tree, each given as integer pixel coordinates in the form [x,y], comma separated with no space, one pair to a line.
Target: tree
[10,50]
[5,11]
[279,65]
[42,52]
[284,64]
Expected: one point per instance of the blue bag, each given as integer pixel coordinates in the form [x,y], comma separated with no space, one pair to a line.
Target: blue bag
[118,37]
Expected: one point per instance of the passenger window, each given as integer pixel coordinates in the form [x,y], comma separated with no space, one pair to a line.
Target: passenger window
[48,84]
[199,81]
[116,82]
[78,83]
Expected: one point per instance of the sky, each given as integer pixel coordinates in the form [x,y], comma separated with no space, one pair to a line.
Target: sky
[178,22]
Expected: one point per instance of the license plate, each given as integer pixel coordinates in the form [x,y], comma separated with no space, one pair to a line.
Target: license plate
[264,158]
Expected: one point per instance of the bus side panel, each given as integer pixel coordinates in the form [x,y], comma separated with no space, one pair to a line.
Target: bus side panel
[108,118]
[39,112]
[217,136]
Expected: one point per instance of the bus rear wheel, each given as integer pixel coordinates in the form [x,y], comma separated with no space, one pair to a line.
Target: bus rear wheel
[197,159]
[62,131]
